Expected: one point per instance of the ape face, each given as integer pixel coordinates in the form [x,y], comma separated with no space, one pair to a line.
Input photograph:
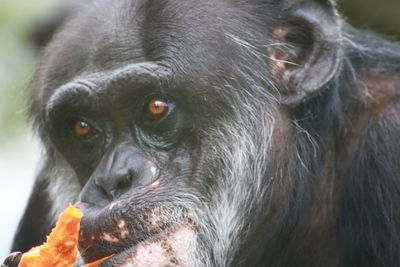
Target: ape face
[214,133]
[155,107]
[144,102]
[135,161]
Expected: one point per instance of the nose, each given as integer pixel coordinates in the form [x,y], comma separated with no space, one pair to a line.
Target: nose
[119,171]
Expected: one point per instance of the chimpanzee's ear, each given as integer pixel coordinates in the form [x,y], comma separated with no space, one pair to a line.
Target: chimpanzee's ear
[311,56]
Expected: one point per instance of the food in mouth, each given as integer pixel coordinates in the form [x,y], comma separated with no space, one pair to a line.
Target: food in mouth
[61,246]
[120,234]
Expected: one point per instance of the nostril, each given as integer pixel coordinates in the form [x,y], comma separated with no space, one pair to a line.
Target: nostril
[111,187]
[103,191]
[124,183]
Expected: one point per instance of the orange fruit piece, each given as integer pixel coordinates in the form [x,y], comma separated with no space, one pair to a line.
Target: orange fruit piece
[95,263]
[61,246]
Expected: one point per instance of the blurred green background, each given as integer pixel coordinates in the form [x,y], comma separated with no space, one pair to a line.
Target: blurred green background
[19,151]
[17,58]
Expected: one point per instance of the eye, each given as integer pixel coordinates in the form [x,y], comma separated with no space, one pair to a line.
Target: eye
[157,108]
[82,129]
[160,116]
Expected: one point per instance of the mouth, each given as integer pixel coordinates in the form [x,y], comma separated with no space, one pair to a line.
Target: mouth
[136,235]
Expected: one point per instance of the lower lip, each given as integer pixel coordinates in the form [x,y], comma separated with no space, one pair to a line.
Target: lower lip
[174,247]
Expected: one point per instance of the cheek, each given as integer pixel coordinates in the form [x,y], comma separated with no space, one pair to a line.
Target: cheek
[171,249]
[281,136]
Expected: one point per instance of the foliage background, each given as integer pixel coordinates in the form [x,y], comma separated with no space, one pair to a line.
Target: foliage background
[19,151]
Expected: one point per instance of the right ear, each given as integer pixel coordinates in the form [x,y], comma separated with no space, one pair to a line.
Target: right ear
[311,55]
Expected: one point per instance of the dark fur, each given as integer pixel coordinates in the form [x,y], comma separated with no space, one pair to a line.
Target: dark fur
[333,198]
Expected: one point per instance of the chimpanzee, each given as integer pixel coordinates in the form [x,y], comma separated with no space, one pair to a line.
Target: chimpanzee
[219,133]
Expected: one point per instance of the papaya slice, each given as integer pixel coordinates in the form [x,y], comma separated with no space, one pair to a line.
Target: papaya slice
[61,246]
[97,262]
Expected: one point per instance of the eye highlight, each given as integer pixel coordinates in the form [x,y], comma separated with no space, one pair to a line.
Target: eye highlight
[83,129]
[160,116]
[157,108]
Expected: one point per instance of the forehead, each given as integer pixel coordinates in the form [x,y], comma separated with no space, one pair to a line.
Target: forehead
[122,31]
[188,37]
[114,33]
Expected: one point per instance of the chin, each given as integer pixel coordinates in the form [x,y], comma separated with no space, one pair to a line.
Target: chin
[137,235]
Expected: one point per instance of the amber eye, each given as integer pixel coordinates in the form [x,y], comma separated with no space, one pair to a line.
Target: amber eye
[157,108]
[82,129]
